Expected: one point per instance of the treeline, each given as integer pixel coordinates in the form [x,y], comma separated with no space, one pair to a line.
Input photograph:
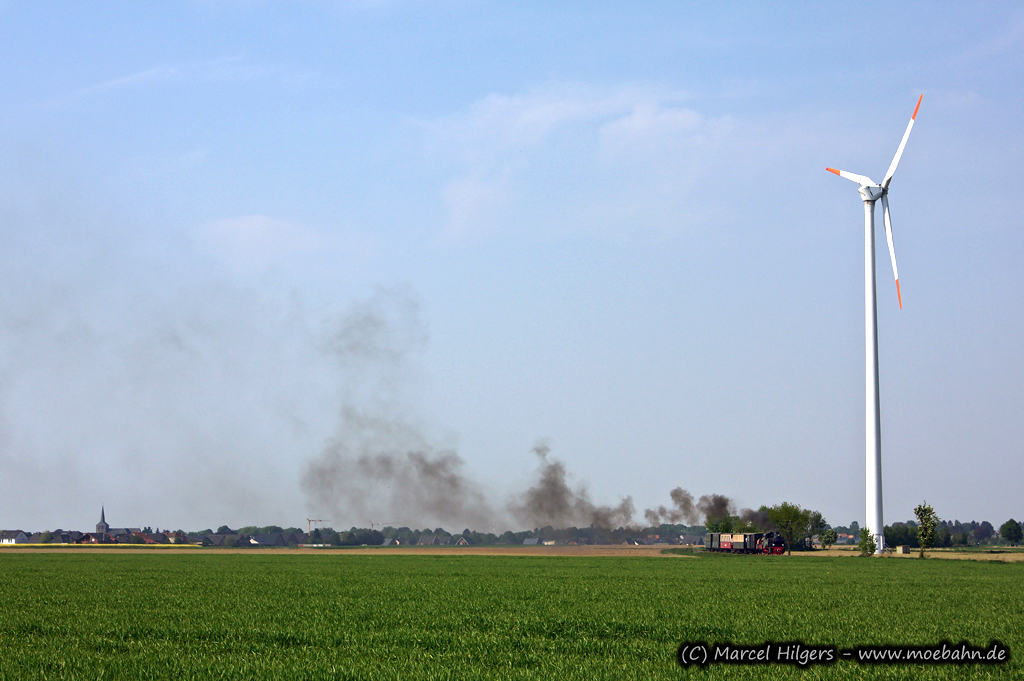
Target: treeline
[565,535]
[357,536]
[800,527]
[950,533]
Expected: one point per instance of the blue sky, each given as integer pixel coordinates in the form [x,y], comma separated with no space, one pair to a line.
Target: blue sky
[602,227]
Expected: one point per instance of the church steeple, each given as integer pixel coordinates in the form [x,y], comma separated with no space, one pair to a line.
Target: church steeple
[102,526]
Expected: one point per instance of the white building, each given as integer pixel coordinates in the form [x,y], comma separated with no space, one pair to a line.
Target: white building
[13,537]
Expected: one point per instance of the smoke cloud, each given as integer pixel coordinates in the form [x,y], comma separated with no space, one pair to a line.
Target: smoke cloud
[382,465]
[759,519]
[552,502]
[380,468]
[682,511]
[708,508]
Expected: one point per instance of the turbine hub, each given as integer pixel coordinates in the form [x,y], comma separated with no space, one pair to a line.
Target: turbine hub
[870,193]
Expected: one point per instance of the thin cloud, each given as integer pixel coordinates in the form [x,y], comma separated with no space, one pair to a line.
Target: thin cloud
[599,158]
[221,69]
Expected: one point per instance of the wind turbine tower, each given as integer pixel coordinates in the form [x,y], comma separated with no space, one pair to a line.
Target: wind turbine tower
[871,192]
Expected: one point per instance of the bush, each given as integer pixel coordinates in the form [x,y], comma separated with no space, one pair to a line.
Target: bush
[867,542]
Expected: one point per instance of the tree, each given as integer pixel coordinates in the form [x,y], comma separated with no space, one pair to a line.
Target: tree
[867,542]
[1011,532]
[45,537]
[855,528]
[815,524]
[926,523]
[828,538]
[983,531]
[791,520]
[223,529]
[721,524]
[899,534]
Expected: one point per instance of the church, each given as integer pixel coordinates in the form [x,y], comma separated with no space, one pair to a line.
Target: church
[106,533]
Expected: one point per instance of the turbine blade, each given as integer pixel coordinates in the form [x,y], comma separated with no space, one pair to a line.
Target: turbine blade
[892,249]
[903,143]
[859,179]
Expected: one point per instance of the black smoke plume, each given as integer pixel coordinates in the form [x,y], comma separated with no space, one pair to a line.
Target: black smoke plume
[382,466]
[715,507]
[683,510]
[758,519]
[710,507]
[552,502]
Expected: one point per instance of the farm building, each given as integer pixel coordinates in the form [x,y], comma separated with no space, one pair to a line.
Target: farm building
[13,537]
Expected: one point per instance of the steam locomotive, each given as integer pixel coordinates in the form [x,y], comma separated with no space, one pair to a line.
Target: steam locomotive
[748,542]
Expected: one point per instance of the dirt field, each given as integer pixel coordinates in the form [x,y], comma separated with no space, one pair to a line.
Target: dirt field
[1009,556]
[611,550]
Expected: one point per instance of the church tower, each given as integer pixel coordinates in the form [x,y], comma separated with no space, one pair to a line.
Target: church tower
[102,526]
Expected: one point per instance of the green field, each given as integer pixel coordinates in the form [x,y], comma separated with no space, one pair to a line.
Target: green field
[87,616]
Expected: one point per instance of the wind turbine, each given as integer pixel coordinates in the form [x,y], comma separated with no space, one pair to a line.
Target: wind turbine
[871,192]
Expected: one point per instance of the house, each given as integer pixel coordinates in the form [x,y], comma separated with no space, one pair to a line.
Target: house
[94,538]
[58,536]
[295,538]
[531,541]
[228,540]
[273,539]
[13,537]
[427,540]
[691,539]
[391,542]
[146,539]
[176,537]
[462,541]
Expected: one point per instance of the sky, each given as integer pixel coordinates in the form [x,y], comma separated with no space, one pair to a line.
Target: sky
[246,248]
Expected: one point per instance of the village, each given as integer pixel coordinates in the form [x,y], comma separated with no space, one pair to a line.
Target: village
[273,536]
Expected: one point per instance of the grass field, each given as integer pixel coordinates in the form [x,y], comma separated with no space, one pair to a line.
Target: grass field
[337,615]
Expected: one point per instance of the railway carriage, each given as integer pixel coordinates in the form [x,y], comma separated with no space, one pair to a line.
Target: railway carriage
[746,542]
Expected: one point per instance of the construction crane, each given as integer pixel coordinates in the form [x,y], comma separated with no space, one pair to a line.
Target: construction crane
[382,525]
[310,521]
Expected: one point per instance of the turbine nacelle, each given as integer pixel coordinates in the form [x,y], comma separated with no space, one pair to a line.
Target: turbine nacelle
[872,192]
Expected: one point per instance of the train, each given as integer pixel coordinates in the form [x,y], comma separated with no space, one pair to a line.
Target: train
[769,543]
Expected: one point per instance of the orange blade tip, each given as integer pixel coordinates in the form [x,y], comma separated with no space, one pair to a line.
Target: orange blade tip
[898,294]
[832,170]
[917,107]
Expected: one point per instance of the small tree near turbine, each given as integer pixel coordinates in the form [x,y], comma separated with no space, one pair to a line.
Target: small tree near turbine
[927,521]
[867,542]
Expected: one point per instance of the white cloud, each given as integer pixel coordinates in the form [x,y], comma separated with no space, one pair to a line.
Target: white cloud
[589,159]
